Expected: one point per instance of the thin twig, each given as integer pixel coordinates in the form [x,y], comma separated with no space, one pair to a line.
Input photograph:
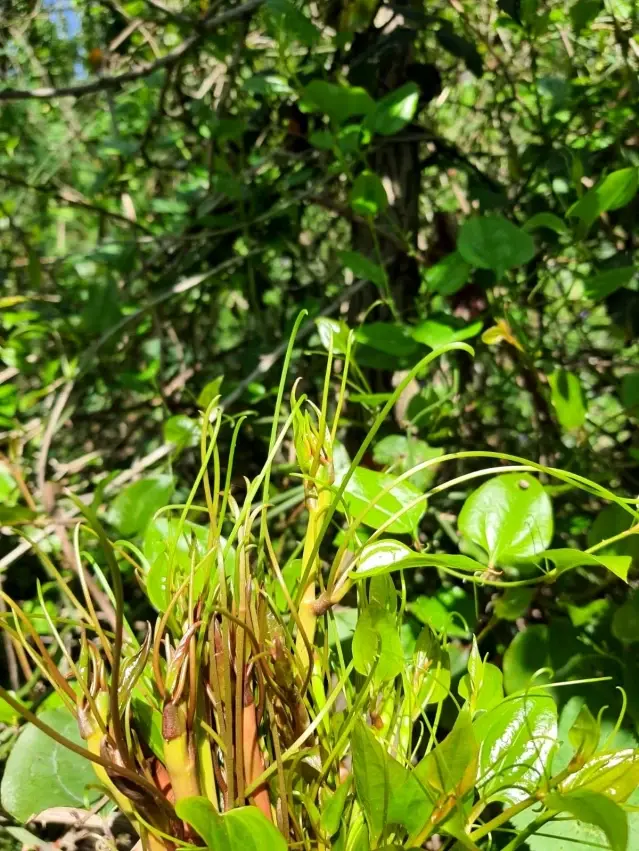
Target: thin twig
[144,70]
[265,364]
[63,194]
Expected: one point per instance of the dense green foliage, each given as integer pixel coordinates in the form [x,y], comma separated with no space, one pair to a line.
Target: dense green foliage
[182,183]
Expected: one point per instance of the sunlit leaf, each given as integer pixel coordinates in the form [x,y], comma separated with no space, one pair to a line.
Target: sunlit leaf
[368,196]
[133,507]
[567,399]
[40,773]
[239,829]
[394,111]
[365,485]
[387,792]
[376,644]
[510,517]
[338,102]
[516,740]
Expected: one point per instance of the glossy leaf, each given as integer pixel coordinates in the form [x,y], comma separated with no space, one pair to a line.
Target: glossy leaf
[492,242]
[510,517]
[614,774]
[380,554]
[486,692]
[516,741]
[567,399]
[376,644]
[441,329]
[568,559]
[41,773]
[614,191]
[458,563]
[595,809]
[335,328]
[364,485]
[394,111]
[387,792]
[134,507]
[584,734]
[239,829]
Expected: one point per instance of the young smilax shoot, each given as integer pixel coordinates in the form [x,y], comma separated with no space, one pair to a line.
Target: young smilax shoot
[249,716]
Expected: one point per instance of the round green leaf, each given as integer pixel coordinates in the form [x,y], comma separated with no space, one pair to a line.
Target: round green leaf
[492,242]
[338,102]
[182,431]
[527,653]
[404,452]
[510,517]
[134,506]
[364,485]
[41,773]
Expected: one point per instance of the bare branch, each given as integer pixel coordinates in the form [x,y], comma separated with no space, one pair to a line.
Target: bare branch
[66,195]
[104,83]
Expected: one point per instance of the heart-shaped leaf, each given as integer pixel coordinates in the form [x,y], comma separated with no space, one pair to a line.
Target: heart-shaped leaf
[365,485]
[516,740]
[492,242]
[134,507]
[510,517]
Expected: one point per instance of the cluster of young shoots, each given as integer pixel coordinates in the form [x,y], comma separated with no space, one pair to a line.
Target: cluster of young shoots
[240,694]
